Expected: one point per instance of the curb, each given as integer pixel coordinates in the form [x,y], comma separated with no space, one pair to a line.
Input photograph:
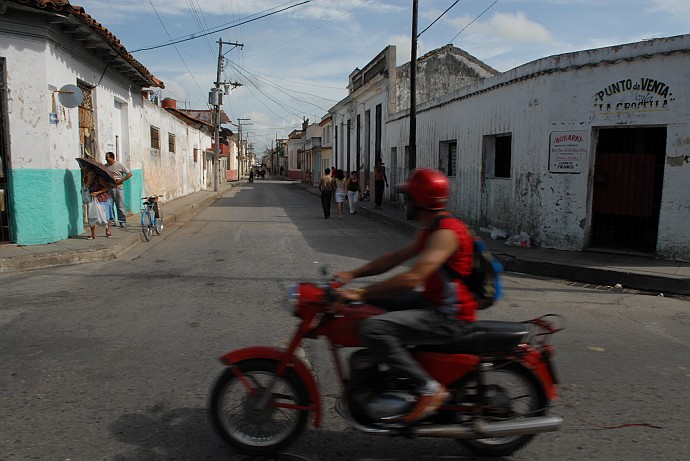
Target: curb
[585,274]
[69,257]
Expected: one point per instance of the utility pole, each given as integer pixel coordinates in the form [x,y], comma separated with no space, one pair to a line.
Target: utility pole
[240,156]
[216,100]
[413,91]
[412,161]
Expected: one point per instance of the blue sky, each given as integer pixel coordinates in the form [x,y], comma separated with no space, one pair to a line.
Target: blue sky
[296,63]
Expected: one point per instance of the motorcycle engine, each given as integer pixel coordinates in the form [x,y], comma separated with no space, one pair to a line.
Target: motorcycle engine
[373,392]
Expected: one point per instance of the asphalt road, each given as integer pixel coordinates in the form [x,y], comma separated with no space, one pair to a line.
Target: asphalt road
[115,360]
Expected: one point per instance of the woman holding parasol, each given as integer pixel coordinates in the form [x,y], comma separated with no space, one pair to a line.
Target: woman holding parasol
[97,183]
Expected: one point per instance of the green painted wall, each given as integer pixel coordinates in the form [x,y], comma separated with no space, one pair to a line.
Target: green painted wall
[134,191]
[46,204]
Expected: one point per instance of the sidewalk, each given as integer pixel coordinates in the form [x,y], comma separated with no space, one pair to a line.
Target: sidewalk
[592,267]
[79,249]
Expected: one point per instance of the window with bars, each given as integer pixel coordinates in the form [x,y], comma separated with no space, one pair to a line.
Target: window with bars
[448,157]
[155,138]
[171,143]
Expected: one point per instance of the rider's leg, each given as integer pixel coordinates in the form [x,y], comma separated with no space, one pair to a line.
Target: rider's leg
[386,337]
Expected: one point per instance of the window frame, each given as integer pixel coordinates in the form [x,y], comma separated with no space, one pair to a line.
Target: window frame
[171,143]
[448,157]
[155,140]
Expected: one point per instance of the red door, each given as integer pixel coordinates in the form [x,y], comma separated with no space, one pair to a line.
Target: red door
[628,179]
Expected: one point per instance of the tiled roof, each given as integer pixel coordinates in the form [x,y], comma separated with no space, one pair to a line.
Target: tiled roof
[64,8]
[203,117]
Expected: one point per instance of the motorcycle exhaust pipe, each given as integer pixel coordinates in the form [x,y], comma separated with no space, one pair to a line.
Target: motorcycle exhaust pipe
[486,430]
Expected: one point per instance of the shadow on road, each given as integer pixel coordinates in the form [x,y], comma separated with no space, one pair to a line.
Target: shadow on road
[186,434]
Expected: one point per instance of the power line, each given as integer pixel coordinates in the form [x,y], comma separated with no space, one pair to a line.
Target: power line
[293,81]
[315,28]
[194,36]
[178,51]
[267,97]
[471,22]
[284,90]
[436,20]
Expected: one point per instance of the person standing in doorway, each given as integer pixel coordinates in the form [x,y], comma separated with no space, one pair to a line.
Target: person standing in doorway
[121,174]
[380,180]
[353,192]
[326,186]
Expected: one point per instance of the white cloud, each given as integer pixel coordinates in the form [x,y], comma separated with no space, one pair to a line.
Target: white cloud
[514,27]
[680,9]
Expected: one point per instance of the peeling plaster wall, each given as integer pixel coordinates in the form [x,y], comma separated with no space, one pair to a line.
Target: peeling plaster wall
[561,94]
[170,174]
[42,153]
[438,73]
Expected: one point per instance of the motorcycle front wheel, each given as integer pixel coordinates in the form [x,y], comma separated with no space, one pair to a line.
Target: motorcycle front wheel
[247,428]
[508,392]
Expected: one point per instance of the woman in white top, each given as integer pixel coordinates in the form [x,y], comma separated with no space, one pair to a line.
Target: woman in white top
[340,191]
[353,192]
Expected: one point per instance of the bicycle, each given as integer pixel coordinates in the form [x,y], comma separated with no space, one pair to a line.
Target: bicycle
[151,218]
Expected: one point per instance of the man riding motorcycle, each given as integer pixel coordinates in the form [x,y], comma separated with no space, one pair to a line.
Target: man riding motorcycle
[437,314]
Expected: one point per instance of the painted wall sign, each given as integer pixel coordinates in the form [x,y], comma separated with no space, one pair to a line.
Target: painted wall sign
[633,96]
[568,151]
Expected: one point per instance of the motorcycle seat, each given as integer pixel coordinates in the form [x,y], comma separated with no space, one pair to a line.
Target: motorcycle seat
[484,336]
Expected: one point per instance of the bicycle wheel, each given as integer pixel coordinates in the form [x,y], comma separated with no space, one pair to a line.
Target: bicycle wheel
[146,225]
[159,225]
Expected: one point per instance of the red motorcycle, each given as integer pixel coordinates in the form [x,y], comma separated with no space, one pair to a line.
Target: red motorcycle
[500,376]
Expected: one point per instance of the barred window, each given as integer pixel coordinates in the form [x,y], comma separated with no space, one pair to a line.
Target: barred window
[448,157]
[171,143]
[155,138]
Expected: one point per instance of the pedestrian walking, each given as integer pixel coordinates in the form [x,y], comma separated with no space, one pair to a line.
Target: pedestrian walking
[117,193]
[353,192]
[380,180]
[97,191]
[340,192]
[326,186]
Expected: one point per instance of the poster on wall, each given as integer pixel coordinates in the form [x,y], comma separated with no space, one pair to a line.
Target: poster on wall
[568,151]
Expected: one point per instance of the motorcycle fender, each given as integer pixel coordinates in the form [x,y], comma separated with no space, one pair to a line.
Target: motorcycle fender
[542,370]
[273,353]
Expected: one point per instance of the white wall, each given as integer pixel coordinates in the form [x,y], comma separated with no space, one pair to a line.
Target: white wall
[170,174]
[553,95]
[40,58]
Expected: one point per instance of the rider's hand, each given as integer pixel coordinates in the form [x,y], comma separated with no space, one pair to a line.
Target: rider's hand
[352,295]
[344,277]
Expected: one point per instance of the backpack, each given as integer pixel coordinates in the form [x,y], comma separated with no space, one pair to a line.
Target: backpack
[484,281]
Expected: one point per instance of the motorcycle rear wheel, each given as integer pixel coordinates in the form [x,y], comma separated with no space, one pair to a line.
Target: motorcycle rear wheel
[511,392]
[253,431]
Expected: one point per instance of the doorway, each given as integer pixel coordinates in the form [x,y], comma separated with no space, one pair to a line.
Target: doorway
[628,182]
[4,160]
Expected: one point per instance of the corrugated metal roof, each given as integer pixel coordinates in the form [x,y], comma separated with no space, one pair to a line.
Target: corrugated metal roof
[64,8]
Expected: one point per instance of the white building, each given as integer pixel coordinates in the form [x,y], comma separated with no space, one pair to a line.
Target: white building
[380,90]
[581,150]
[45,46]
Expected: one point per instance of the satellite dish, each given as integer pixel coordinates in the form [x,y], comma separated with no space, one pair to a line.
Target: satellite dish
[70,96]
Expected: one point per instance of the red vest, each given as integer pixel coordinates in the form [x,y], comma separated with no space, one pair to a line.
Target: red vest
[451,295]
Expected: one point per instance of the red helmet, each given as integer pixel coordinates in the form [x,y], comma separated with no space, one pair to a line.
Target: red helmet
[428,188]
